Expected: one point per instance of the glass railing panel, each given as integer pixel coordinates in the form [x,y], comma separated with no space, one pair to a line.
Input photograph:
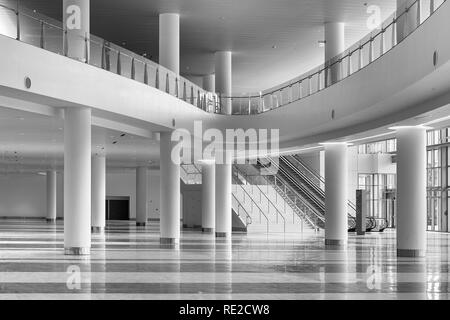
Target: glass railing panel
[8,22]
[30,30]
[53,39]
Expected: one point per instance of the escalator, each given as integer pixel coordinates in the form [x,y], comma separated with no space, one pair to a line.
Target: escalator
[308,185]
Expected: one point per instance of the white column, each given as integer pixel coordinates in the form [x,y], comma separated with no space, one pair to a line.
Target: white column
[336,176]
[223,66]
[408,21]
[141,196]
[208,197]
[334,45]
[98,193]
[76,19]
[170,191]
[411,192]
[77,181]
[223,196]
[169,41]
[51,196]
[209,83]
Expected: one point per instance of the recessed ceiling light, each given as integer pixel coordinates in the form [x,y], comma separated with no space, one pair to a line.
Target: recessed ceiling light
[274,47]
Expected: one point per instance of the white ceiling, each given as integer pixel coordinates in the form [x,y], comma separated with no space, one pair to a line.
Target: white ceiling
[250,28]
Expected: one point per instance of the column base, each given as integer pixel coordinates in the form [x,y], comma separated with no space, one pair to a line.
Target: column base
[77,251]
[50,220]
[141,224]
[168,241]
[208,230]
[223,235]
[97,229]
[410,253]
[332,242]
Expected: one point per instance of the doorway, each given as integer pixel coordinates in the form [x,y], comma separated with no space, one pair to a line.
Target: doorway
[117,208]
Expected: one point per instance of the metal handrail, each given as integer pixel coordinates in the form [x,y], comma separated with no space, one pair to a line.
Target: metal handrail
[315,175]
[317,216]
[269,201]
[248,218]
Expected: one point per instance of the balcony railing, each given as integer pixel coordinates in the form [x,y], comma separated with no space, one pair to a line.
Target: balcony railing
[35,29]
[46,33]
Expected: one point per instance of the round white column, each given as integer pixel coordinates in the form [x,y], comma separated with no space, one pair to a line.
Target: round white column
[98,194]
[77,181]
[76,23]
[334,45]
[208,197]
[336,176]
[408,21]
[209,83]
[223,66]
[169,41]
[224,196]
[141,196]
[170,192]
[411,192]
[51,196]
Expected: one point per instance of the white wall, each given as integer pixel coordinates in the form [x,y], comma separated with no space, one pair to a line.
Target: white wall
[123,184]
[23,195]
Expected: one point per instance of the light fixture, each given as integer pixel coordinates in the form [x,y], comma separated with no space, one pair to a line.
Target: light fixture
[321,43]
[274,46]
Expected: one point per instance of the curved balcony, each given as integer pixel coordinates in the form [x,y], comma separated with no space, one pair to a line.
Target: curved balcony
[46,33]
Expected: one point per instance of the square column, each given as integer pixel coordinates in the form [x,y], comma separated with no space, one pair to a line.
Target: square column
[98,194]
[170,191]
[77,181]
[51,196]
[141,196]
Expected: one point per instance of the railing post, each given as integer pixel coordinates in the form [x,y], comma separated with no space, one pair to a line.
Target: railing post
[42,42]
[361,58]
[310,85]
[419,14]
[133,69]
[157,79]
[86,48]
[176,88]
[318,81]
[300,90]
[119,64]
[394,32]
[66,44]
[18,22]
[382,42]
[431,6]
[184,91]
[146,74]
[371,50]
[167,83]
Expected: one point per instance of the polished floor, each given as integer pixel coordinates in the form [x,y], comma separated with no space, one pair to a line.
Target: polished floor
[129,263]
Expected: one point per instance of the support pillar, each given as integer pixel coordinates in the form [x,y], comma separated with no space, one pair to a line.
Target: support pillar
[76,23]
[336,176]
[51,196]
[411,191]
[169,41]
[334,45]
[170,191]
[141,196]
[209,83]
[77,181]
[223,65]
[208,197]
[98,194]
[223,196]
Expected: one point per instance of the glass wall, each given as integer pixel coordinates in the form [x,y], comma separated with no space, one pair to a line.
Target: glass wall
[381,189]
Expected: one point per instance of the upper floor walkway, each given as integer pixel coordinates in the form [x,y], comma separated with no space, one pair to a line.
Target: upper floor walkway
[382,80]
